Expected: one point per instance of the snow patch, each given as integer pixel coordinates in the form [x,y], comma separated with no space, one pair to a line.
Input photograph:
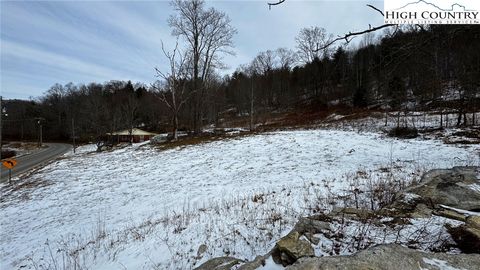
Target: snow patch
[410,197]
[474,187]
[271,265]
[461,211]
[442,265]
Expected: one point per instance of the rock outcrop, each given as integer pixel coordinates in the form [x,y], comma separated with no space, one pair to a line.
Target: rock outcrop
[393,257]
[220,263]
[447,193]
[458,187]
[467,236]
[453,194]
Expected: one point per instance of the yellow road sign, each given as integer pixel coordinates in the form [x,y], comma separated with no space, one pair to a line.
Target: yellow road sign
[9,163]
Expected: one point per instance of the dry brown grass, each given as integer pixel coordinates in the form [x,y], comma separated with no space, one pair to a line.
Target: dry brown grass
[311,116]
[200,139]
[21,190]
[308,117]
[29,184]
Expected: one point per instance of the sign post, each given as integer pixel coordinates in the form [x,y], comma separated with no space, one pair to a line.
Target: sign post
[9,164]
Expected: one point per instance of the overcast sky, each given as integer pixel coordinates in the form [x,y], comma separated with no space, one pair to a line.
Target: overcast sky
[43,43]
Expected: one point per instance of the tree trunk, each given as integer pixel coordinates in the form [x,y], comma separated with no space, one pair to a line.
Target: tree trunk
[131,134]
[175,126]
[441,119]
[251,106]
[386,117]
[459,118]
[398,119]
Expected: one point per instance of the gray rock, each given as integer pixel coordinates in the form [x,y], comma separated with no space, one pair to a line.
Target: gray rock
[392,257]
[467,236]
[291,248]
[201,249]
[224,263]
[358,212]
[258,262]
[450,214]
[220,263]
[312,238]
[473,222]
[311,225]
[405,203]
[441,187]
[421,210]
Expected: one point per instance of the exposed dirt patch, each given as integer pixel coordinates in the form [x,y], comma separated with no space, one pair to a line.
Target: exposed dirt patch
[473,133]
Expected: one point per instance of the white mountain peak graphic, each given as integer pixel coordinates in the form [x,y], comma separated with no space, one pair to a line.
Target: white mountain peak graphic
[453,7]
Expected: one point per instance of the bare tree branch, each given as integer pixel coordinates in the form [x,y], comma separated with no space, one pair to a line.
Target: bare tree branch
[275,3]
[348,37]
[375,8]
[172,91]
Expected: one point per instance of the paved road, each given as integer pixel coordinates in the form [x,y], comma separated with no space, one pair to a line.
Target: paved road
[28,162]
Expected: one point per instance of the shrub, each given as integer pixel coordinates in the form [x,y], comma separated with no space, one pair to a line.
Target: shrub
[8,153]
[403,132]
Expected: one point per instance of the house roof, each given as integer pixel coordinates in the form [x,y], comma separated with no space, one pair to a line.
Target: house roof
[135,131]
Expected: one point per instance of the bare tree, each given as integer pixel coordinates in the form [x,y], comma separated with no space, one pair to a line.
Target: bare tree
[350,35]
[264,62]
[172,91]
[130,106]
[251,71]
[286,58]
[208,34]
[311,43]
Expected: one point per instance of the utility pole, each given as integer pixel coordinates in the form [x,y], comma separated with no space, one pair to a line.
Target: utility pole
[251,103]
[73,133]
[1,116]
[2,113]
[40,130]
[41,136]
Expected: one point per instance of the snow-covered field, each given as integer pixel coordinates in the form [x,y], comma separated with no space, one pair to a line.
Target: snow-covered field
[142,208]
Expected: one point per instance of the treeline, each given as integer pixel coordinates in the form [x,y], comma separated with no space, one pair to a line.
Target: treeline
[411,67]
[430,67]
[92,109]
